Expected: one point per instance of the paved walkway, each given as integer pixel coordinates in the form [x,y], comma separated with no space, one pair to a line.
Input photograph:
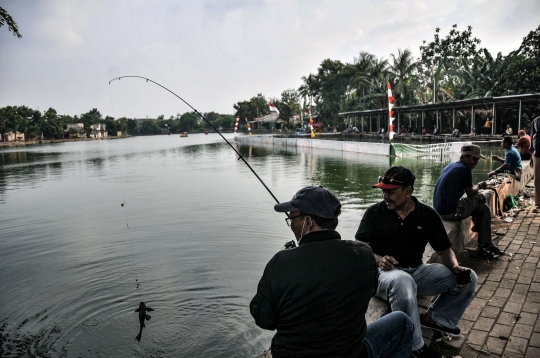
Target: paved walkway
[503,318]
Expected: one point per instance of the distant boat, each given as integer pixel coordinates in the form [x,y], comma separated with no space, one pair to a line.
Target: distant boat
[183,134]
[205,132]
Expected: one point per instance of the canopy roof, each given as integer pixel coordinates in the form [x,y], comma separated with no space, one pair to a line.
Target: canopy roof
[526,99]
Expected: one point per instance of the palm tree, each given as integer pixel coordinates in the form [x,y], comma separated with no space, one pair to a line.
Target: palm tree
[402,71]
[308,89]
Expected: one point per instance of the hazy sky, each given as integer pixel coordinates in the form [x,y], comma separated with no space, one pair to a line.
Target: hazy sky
[214,53]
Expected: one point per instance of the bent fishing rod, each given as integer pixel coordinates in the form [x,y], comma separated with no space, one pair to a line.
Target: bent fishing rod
[206,120]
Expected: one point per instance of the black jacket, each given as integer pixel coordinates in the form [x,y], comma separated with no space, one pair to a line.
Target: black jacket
[316,296]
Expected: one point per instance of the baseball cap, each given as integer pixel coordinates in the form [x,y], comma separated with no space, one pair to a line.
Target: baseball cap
[472,150]
[394,178]
[315,200]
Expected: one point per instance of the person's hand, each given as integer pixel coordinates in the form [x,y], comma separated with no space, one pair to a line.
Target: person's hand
[482,185]
[387,263]
[456,270]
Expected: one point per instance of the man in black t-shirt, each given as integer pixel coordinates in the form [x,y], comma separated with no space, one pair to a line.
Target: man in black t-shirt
[398,230]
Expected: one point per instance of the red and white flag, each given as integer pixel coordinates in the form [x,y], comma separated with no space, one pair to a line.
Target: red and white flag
[390,112]
[272,107]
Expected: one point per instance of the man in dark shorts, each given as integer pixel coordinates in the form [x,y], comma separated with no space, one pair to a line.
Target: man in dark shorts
[316,295]
[398,230]
[448,201]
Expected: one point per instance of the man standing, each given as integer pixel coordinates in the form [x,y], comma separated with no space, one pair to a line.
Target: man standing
[512,161]
[398,229]
[455,180]
[535,162]
[316,295]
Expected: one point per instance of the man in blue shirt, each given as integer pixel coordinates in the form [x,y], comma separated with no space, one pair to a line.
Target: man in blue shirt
[448,201]
[512,161]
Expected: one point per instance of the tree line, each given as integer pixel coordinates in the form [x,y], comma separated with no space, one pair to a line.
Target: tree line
[450,68]
[34,123]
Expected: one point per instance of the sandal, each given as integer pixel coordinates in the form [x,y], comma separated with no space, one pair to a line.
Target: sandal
[536,210]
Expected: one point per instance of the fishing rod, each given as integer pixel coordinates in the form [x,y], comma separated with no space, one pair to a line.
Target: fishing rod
[206,120]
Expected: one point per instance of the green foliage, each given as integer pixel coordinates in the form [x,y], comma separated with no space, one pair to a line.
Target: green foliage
[256,107]
[149,128]
[6,19]
[523,66]
[188,122]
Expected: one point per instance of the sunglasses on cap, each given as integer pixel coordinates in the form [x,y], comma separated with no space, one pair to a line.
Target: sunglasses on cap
[388,180]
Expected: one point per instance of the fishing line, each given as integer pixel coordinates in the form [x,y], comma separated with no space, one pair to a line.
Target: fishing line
[206,120]
[123,204]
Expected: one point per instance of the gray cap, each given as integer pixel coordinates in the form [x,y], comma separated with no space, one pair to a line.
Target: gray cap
[315,200]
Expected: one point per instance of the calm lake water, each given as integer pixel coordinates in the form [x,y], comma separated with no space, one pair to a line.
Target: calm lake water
[195,233]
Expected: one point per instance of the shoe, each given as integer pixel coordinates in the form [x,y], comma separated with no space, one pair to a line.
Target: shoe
[492,249]
[454,332]
[487,252]
[425,352]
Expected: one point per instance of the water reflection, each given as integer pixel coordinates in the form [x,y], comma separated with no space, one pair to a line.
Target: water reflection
[201,229]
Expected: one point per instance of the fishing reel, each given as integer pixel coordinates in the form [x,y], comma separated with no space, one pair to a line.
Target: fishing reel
[289,245]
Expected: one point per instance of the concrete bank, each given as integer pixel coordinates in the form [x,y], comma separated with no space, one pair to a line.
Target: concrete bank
[397,149]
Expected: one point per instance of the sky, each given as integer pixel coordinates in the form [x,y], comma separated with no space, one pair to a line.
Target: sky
[215,53]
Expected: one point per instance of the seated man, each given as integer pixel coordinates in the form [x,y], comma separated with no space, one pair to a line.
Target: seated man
[455,180]
[316,295]
[398,229]
[512,161]
[524,145]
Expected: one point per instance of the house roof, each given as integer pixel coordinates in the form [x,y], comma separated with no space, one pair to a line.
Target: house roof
[270,118]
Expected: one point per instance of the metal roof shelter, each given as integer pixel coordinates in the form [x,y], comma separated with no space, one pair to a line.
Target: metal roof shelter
[488,103]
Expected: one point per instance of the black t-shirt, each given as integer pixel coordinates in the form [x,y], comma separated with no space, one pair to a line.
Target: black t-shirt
[316,297]
[406,239]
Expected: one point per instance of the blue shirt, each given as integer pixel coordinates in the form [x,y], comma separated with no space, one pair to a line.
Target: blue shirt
[450,187]
[513,159]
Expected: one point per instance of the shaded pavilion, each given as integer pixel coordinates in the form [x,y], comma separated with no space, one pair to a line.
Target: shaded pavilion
[516,111]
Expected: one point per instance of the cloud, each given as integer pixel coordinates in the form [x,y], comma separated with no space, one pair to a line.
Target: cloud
[420,5]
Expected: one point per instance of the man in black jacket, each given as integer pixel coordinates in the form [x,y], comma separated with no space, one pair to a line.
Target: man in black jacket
[316,295]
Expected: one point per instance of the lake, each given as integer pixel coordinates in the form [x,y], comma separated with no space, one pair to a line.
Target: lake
[191,241]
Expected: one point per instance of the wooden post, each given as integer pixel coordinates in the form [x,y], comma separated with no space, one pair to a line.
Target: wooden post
[494,121]
[472,115]
[519,117]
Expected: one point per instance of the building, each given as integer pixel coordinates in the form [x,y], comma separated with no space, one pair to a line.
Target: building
[75,130]
[98,131]
[13,137]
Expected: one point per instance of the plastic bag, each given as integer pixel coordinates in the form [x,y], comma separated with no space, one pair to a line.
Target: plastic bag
[510,202]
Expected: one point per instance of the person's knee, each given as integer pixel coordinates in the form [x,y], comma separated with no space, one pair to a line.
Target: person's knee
[474,279]
[401,319]
[403,286]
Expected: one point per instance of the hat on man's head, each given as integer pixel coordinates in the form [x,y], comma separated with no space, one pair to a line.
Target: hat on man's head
[394,178]
[472,150]
[521,133]
[315,200]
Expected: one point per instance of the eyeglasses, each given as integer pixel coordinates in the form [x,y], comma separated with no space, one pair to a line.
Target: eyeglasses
[289,219]
[388,180]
